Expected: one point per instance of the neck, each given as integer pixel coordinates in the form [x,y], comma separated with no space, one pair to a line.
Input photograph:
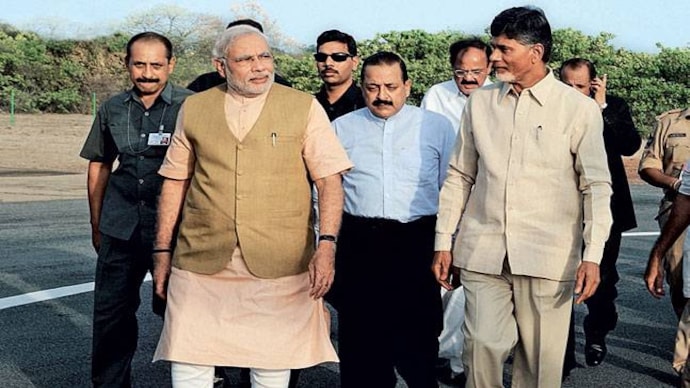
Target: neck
[334,92]
[531,79]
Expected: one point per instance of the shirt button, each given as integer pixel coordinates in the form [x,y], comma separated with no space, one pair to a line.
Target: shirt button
[142,203]
[141,181]
[240,147]
[240,172]
[143,135]
[146,114]
[141,157]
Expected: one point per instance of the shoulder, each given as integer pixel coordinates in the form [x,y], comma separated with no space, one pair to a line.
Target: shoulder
[285,91]
[179,93]
[443,88]
[674,114]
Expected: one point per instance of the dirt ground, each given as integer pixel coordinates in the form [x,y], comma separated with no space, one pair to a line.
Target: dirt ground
[47,143]
[39,157]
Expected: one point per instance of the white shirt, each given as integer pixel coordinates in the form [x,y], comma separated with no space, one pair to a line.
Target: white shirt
[445,98]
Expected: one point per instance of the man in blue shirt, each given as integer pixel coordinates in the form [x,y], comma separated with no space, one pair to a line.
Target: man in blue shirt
[386,243]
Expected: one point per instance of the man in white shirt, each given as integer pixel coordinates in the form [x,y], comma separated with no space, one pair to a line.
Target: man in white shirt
[469,59]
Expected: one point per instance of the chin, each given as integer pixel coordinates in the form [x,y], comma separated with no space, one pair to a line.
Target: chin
[505,77]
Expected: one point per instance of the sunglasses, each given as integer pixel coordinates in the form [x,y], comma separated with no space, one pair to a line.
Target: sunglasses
[337,57]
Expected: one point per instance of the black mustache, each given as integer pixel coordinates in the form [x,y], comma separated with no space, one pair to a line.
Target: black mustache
[463,82]
[148,80]
[382,102]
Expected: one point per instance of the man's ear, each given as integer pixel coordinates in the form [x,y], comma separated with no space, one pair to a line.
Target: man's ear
[218,64]
[538,50]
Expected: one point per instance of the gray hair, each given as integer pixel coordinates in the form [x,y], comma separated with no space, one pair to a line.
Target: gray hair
[230,35]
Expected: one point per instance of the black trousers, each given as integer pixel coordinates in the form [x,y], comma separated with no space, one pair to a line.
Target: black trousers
[602,316]
[120,271]
[389,304]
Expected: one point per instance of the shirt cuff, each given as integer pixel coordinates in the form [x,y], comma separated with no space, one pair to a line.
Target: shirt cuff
[444,242]
[593,254]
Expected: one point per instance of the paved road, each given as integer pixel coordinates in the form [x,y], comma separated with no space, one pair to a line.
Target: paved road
[45,245]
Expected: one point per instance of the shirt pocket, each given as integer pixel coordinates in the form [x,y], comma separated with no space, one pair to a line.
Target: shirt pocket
[547,149]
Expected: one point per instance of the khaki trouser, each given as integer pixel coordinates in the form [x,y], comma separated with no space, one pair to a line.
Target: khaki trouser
[506,311]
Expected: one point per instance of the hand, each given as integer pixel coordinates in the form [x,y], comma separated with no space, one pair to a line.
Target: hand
[95,238]
[162,262]
[654,277]
[587,281]
[599,89]
[442,269]
[322,269]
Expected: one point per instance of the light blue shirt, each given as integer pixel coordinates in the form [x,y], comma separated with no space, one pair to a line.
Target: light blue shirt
[400,162]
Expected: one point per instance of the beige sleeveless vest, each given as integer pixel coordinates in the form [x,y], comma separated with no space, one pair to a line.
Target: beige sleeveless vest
[255,193]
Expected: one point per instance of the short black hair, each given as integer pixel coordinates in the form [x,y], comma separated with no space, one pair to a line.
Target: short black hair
[337,36]
[576,63]
[149,35]
[246,22]
[384,58]
[460,46]
[528,25]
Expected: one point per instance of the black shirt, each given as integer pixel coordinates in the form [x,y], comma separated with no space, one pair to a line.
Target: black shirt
[348,102]
[121,131]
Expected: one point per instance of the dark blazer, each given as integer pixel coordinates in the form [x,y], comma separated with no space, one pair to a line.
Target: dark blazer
[620,139]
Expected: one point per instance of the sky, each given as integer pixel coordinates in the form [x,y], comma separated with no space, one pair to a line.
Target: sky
[638,25]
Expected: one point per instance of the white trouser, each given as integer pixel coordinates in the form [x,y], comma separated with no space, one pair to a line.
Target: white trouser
[201,376]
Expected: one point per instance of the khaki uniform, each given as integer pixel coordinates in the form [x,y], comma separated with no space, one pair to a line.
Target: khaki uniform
[667,149]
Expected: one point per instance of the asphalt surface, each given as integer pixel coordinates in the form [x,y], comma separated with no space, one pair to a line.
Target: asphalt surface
[46,245]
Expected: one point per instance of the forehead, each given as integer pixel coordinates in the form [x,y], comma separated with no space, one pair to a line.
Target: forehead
[472,56]
[576,75]
[148,49]
[383,74]
[333,47]
[503,40]
[248,44]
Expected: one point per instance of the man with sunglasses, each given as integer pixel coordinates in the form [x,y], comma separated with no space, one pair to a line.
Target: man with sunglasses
[336,59]
[469,59]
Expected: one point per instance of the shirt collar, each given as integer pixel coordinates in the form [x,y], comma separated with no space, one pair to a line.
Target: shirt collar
[539,91]
[166,95]
[686,114]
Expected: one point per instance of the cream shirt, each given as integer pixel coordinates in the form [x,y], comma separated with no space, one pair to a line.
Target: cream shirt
[528,180]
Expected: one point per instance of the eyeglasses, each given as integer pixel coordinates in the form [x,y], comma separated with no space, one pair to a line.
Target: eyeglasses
[246,60]
[337,57]
[462,73]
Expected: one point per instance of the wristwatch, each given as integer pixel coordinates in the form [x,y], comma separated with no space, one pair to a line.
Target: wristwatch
[328,237]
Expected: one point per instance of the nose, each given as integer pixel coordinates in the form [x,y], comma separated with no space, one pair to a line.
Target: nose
[258,64]
[495,56]
[382,94]
[148,71]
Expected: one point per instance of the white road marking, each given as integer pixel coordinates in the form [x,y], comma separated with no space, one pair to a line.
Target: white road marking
[40,296]
[54,293]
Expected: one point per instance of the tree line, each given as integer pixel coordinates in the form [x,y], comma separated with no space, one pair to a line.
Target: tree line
[60,75]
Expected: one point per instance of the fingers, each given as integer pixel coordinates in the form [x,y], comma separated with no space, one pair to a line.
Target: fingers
[590,287]
[321,284]
[440,270]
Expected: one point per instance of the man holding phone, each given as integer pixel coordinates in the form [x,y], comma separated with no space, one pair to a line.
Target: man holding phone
[620,139]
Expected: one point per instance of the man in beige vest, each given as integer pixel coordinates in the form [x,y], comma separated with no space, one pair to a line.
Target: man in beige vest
[245,283]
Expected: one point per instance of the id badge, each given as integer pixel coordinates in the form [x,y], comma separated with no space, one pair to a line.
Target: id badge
[159,139]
